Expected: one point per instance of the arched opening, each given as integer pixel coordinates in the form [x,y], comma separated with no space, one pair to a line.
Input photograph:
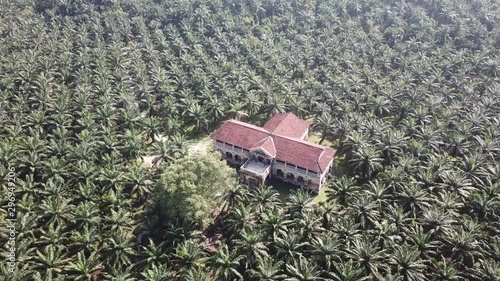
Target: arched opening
[237,158]
[290,176]
[300,180]
[280,173]
[260,159]
[229,156]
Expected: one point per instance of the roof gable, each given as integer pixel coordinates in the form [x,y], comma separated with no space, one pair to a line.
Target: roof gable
[287,124]
[266,145]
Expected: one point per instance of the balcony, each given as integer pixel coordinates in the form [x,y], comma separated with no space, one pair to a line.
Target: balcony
[256,168]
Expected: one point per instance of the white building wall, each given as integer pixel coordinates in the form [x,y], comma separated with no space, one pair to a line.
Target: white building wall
[315,180]
[225,148]
[326,172]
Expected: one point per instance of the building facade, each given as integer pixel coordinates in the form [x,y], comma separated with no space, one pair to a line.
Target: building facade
[278,150]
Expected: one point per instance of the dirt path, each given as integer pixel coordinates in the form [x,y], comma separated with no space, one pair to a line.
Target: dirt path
[199,146]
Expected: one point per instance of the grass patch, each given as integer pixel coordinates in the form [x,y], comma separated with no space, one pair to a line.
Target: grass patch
[321,197]
[284,189]
[202,144]
[315,137]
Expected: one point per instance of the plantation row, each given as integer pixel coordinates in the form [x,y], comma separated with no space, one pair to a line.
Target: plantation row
[408,92]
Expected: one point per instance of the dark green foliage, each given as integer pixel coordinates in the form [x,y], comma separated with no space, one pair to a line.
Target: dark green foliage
[407,91]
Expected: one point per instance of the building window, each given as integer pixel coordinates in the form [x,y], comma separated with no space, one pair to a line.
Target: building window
[237,158]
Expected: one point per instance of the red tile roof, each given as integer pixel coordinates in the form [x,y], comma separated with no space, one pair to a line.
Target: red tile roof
[266,144]
[303,153]
[283,147]
[287,124]
[239,133]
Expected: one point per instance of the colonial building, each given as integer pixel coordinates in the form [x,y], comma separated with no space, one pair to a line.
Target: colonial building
[279,150]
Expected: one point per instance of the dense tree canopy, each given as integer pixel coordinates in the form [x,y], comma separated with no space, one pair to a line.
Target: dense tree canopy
[407,91]
[192,188]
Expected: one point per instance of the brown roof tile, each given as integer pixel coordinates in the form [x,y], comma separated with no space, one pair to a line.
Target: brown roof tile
[239,133]
[266,144]
[303,154]
[279,137]
[287,124]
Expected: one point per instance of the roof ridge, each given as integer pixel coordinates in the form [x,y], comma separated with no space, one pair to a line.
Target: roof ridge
[288,114]
[248,125]
[263,140]
[304,142]
[261,145]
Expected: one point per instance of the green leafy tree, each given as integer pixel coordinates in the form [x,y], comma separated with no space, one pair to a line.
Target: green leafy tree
[191,189]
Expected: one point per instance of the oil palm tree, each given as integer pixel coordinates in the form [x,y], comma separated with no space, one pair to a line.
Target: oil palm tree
[342,190]
[84,268]
[366,254]
[51,260]
[347,271]
[290,247]
[299,202]
[274,223]
[225,263]
[366,161]
[407,262]
[325,124]
[251,246]
[188,254]
[326,251]
[302,270]
[267,269]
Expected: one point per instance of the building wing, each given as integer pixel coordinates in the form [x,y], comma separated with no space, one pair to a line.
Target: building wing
[280,138]
[288,125]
